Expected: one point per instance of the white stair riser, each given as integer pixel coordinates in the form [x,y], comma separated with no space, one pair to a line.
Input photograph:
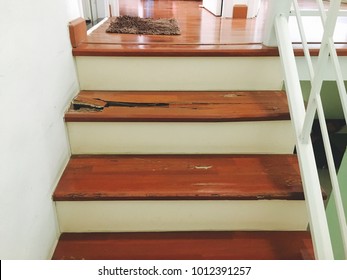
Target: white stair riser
[188,73]
[137,216]
[274,137]
[179,73]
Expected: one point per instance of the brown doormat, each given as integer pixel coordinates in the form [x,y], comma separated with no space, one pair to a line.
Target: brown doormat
[144,26]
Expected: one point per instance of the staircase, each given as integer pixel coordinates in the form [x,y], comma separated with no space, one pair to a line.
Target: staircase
[181,158]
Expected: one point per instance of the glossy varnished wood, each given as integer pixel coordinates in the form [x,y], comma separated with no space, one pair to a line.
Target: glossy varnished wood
[203,34]
[78,32]
[176,50]
[182,106]
[185,246]
[197,25]
[180,177]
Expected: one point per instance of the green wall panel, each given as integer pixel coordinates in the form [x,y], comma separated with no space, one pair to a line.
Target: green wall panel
[331,212]
[330,98]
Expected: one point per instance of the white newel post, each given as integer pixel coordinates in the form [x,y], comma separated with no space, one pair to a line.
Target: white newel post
[275,7]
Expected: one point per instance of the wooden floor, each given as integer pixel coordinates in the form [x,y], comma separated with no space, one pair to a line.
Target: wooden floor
[289,245]
[202,33]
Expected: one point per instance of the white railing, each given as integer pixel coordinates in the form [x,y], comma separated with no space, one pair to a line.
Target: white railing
[277,32]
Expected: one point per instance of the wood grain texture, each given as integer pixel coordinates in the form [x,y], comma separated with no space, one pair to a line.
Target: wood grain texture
[182,106]
[180,177]
[185,246]
[203,34]
[78,32]
[238,50]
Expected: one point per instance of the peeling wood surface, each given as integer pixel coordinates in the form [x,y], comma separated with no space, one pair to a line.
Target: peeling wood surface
[284,245]
[181,177]
[179,106]
[84,102]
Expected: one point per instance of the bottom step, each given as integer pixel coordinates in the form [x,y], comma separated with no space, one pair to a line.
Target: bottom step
[263,245]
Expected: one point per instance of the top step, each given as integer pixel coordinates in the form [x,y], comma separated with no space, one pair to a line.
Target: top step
[239,50]
[178,106]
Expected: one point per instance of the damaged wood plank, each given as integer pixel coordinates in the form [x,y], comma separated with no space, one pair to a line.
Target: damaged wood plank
[172,106]
[136,104]
[97,104]
[181,177]
[81,102]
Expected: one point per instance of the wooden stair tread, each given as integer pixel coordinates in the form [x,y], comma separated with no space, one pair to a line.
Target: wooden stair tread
[264,245]
[180,177]
[194,50]
[170,50]
[178,106]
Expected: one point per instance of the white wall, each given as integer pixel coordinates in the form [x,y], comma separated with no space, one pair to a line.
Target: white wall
[98,8]
[74,8]
[37,81]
